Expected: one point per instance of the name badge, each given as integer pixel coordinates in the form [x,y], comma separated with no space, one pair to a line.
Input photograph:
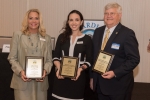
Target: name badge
[80,42]
[115,46]
[42,39]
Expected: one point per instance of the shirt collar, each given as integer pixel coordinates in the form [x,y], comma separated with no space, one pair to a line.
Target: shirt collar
[111,29]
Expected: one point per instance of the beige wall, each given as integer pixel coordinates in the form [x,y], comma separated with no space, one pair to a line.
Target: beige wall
[135,16]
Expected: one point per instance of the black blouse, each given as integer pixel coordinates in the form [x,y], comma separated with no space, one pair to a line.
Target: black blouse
[81,48]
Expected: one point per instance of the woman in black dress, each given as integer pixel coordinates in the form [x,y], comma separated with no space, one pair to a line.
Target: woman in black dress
[75,44]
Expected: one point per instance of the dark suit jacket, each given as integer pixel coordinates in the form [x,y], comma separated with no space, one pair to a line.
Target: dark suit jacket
[125,60]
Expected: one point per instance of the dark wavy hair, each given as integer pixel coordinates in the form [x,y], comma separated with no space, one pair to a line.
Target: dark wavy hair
[67,32]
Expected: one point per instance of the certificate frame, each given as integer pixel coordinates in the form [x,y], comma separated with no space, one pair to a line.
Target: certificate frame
[103,62]
[69,66]
[34,66]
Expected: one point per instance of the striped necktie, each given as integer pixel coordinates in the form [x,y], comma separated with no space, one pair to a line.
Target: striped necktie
[105,39]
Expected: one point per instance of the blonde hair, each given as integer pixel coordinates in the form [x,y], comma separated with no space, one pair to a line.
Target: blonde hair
[25,30]
[113,5]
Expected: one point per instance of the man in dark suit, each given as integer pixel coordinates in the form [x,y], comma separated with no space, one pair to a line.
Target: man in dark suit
[117,82]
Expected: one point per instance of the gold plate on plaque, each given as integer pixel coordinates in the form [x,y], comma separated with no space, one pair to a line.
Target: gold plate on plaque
[69,66]
[103,62]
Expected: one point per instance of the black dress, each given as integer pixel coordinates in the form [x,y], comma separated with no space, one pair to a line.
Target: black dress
[67,89]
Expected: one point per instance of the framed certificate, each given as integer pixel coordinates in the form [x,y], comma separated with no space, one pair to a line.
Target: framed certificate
[103,62]
[34,66]
[69,66]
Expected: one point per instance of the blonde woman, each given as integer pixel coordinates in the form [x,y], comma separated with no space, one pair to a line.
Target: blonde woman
[32,40]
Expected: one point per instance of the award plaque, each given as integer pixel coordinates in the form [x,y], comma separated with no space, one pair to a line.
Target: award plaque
[34,66]
[103,62]
[69,66]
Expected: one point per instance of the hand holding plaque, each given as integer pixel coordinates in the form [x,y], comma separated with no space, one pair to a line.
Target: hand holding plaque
[34,67]
[103,62]
[69,67]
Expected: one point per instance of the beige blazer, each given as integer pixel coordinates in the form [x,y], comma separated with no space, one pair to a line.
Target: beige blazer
[17,59]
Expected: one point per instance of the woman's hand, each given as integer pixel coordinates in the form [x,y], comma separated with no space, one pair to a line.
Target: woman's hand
[23,76]
[58,75]
[42,79]
[57,66]
[78,74]
[80,69]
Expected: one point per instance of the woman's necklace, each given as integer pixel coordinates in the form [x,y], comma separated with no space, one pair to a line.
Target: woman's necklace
[34,39]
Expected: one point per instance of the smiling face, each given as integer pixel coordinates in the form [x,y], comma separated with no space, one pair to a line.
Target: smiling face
[33,22]
[112,17]
[75,22]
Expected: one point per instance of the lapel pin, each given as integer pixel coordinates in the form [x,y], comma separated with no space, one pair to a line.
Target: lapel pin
[116,32]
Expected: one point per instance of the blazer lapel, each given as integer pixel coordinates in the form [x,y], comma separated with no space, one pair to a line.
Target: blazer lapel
[113,36]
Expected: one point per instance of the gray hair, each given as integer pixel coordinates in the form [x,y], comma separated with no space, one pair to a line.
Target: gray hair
[113,5]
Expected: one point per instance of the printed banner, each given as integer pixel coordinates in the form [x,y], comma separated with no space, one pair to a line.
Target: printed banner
[91,25]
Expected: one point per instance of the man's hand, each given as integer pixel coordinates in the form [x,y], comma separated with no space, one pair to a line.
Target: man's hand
[108,75]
